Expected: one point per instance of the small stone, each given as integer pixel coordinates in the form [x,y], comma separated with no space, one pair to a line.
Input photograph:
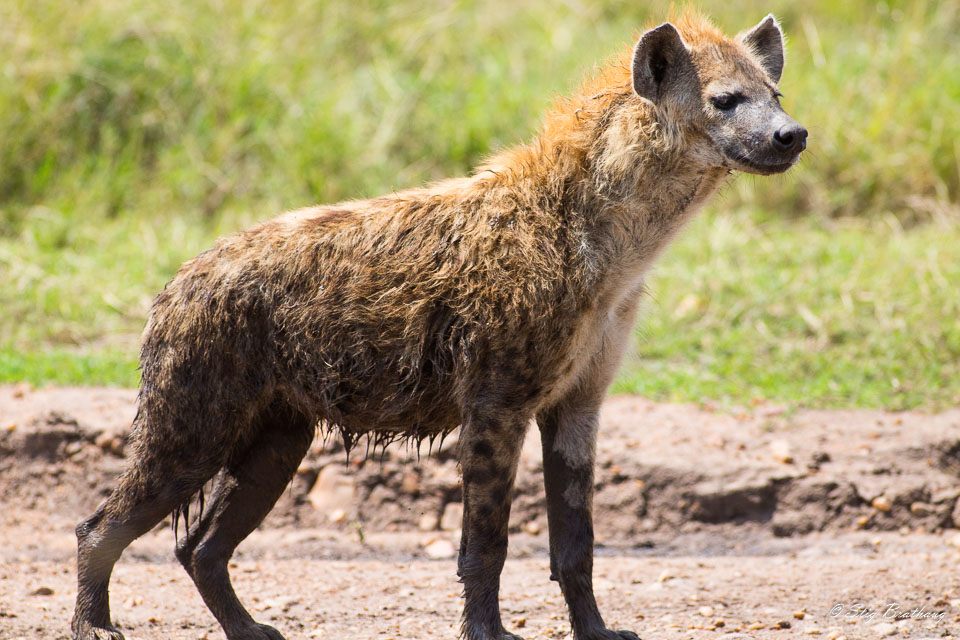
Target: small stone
[955,541]
[452,516]
[428,522]
[770,411]
[783,624]
[799,615]
[863,521]
[955,515]
[666,575]
[781,451]
[881,503]
[338,515]
[812,631]
[921,509]
[532,527]
[411,482]
[110,443]
[885,629]
[333,490]
[719,622]
[42,591]
[133,601]
[445,477]
[519,623]
[439,549]
[706,612]
[305,468]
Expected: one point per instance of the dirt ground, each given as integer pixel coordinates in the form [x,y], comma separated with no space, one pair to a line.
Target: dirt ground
[752,523]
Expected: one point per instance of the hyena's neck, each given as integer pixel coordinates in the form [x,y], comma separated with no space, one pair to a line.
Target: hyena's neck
[624,190]
[631,228]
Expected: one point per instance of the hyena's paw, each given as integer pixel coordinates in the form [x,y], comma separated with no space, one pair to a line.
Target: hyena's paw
[610,634]
[256,632]
[86,631]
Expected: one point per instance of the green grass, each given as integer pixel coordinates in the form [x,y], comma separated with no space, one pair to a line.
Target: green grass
[135,133]
[811,313]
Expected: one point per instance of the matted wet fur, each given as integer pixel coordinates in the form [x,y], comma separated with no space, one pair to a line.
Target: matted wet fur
[483,302]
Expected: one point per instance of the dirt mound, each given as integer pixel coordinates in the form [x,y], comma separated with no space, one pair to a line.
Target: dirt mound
[660,469]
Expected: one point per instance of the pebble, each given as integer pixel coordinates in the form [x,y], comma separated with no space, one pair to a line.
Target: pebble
[428,522]
[532,527]
[440,549]
[799,615]
[306,467]
[881,503]
[921,509]
[885,629]
[411,482]
[781,451]
[452,516]
[333,490]
[42,591]
[706,612]
[110,443]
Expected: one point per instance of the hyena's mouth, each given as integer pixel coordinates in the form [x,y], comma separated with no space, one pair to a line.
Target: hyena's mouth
[745,163]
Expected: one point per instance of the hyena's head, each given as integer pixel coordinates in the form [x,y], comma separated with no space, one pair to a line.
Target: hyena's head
[721,93]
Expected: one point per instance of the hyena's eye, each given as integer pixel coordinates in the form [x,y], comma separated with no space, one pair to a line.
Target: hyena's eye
[726,101]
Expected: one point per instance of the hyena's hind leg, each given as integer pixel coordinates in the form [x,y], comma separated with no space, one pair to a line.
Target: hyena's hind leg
[246,490]
[154,484]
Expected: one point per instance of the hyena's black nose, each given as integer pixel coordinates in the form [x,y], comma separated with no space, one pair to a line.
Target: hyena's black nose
[790,138]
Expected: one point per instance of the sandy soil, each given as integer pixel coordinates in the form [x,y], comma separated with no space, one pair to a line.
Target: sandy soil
[755,523]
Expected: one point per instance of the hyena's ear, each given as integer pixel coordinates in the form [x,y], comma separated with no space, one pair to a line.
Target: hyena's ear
[766,41]
[660,59]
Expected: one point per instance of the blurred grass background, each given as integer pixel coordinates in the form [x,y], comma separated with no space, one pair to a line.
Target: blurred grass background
[132,134]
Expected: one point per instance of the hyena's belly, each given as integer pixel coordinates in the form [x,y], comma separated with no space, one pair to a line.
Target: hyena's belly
[371,390]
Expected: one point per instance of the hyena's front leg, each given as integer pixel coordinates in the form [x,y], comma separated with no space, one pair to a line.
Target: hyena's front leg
[569,436]
[489,452]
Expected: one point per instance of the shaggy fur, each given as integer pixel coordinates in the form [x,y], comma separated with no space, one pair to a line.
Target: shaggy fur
[480,302]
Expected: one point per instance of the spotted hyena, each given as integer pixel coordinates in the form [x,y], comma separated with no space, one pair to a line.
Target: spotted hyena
[484,302]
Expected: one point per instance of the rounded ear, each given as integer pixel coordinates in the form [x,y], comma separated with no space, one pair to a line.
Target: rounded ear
[766,41]
[659,59]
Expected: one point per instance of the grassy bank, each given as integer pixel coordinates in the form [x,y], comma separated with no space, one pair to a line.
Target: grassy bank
[134,133]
